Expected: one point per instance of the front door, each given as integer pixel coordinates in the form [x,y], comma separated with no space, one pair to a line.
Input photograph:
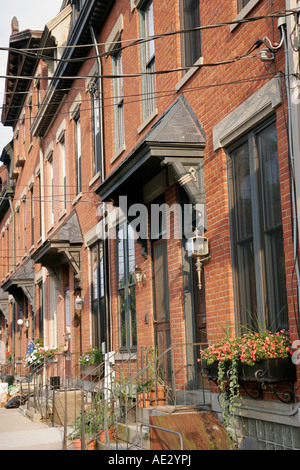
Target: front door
[162,311]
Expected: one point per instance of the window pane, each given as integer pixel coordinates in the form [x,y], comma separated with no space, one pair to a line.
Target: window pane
[191,39]
[257,232]
[243,236]
[121,259]
[242,4]
[276,301]
[267,147]
[133,316]
[95,272]
[131,255]
[243,191]
[122,310]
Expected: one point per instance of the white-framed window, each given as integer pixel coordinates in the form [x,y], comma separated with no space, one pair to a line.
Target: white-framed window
[256,227]
[147,58]
[126,287]
[118,94]
[96,129]
[241,4]
[191,40]
[78,153]
[63,181]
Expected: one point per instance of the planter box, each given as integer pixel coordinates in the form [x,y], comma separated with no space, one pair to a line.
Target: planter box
[92,369]
[269,371]
[272,370]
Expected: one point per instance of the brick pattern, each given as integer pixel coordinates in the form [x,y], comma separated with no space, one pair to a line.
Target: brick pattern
[212,92]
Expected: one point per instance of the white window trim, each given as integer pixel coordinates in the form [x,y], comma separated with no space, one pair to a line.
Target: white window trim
[244,12]
[75,107]
[189,73]
[252,111]
[114,35]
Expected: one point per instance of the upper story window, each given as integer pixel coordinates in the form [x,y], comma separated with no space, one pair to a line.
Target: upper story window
[96,133]
[77,153]
[241,4]
[191,40]
[118,93]
[147,59]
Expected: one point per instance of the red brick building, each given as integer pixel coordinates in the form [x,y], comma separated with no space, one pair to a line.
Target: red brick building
[192,129]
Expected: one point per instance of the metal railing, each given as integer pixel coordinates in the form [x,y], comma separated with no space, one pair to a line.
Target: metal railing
[114,393]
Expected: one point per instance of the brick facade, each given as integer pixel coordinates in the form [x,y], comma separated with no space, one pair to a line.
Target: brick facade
[212,93]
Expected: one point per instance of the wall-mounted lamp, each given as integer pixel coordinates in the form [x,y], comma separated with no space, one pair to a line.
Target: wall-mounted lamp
[199,251]
[20,322]
[78,303]
[139,276]
[27,323]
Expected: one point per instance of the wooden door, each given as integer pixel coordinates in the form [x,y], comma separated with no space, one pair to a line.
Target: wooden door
[162,310]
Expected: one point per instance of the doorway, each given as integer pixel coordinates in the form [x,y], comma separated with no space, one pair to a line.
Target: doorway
[161,304]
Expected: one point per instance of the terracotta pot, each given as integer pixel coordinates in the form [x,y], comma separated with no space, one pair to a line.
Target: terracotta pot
[90,446]
[102,435]
[143,400]
[158,397]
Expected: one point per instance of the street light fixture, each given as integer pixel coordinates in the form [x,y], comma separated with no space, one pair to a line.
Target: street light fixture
[199,251]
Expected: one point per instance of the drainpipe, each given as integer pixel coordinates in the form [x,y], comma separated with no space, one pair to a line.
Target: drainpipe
[291,143]
[99,67]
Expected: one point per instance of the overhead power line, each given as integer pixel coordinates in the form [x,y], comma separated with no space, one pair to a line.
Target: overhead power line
[134,42]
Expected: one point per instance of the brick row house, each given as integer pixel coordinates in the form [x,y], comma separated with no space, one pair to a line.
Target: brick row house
[121,148]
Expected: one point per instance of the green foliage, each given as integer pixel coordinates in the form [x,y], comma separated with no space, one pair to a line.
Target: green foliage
[92,356]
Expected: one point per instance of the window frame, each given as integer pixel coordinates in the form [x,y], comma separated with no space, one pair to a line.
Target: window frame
[147,59]
[118,99]
[77,137]
[98,294]
[127,318]
[189,38]
[264,294]
[96,126]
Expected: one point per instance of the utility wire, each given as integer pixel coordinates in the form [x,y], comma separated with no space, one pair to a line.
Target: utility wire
[144,96]
[138,41]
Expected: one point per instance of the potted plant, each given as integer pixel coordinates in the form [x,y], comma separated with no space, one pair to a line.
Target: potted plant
[90,431]
[105,417]
[9,356]
[250,357]
[36,356]
[90,362]
[143,391]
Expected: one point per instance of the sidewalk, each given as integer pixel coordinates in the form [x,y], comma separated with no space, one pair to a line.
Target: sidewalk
[18,432]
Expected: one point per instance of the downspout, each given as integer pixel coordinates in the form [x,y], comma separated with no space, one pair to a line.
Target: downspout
[292,159]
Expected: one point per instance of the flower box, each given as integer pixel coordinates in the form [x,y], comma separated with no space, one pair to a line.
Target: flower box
[92,369]
[271,370]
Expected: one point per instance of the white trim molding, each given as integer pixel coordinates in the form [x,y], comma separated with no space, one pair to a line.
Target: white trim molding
[252,111]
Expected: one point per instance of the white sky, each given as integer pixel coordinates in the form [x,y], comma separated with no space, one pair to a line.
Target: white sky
[31,14]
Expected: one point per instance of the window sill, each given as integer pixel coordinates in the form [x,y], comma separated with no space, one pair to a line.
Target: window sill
[95,178]
[31,248]
[77,198]
[62,214]
[244,12]
[147,121]
[49,228]
[189,73]
[30,147]
[117,154]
